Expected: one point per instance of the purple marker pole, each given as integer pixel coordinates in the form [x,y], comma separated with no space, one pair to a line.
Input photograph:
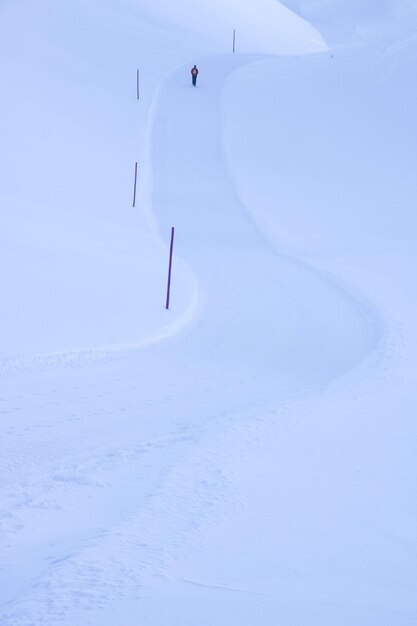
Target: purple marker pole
[170,267]
[134,187]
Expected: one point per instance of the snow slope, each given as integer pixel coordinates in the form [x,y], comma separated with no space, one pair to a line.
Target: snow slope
[73,131]
[248,456]
[342,21]
[69,121]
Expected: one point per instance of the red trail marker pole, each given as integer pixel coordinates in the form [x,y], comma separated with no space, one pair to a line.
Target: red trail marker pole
[170,268]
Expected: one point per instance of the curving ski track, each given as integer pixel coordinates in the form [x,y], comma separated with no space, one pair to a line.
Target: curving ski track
[266,328]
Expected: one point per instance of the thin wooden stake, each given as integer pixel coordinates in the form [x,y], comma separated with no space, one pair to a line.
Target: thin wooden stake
[134,187]
[170,268]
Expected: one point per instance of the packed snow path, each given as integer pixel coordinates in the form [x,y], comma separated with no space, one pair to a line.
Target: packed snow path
[106,437]
[307,329]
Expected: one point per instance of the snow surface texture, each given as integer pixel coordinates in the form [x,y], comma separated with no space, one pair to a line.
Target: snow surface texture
[247,457]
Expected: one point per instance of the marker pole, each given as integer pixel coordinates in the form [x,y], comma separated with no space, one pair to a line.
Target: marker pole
[170,268]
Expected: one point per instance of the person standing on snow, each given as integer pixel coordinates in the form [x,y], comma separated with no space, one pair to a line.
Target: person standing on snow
[194,73]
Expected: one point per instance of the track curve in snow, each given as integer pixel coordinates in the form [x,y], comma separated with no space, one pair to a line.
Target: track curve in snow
[273,322]
[265,328]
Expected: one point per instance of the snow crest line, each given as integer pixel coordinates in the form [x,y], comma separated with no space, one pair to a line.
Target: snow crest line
[16,364]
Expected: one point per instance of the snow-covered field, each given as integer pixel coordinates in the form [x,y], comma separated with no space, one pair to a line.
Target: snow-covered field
[247,457]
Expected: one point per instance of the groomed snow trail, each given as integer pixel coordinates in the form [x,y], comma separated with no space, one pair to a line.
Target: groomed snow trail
[110,437]
[308,330]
